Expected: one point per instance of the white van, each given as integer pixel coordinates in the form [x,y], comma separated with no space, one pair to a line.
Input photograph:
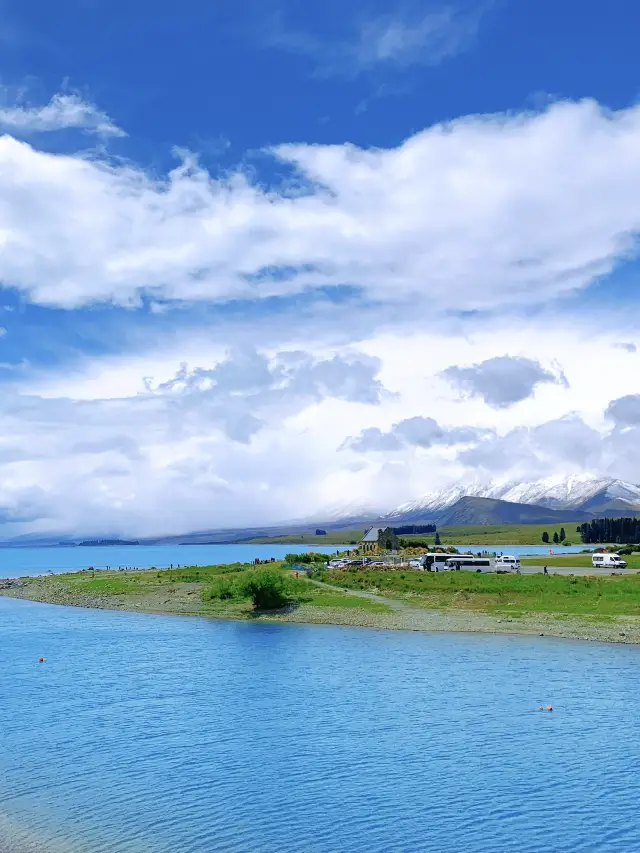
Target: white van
[613,561]
[507,563]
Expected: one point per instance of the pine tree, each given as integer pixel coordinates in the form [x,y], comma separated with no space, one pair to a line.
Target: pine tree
[437,542]
[556,538]
[545,537]
[563,535]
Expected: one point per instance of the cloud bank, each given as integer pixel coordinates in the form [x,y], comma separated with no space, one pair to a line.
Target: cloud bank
[483,212]
[492,213]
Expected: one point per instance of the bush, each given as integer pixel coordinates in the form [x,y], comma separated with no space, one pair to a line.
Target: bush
[267,589]
[223,589]
[306,558]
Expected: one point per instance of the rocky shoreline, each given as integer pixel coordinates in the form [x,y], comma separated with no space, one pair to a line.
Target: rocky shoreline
[404,616]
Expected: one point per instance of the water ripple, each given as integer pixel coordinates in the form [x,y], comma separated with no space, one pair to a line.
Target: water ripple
[156,735]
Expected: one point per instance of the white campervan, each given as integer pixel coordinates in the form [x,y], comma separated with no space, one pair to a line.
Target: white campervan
[505,562]
[613,561]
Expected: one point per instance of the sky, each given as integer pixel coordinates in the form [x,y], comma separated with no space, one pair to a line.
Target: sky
[264,261]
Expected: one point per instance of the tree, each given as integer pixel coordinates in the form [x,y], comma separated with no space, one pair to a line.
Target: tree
[320,532]
[556,538]
[578,529]
[563,535]
[545,537]
[438,542]
[268,589]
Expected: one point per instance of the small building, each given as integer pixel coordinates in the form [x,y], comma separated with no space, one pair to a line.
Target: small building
[370,539]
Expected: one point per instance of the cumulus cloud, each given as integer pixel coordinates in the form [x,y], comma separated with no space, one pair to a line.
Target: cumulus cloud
[502,381]
[482,212]
[62,112]
[388,41]
[413,432]
[566,443]
[625,411]
[247,387]
[207,448]
[626,345]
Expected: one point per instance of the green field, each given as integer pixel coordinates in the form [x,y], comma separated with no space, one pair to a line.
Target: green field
[506,534]
[581,561]
[509,594]
[484,536]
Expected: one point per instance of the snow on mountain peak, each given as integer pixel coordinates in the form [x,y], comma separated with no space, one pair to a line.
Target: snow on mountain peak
[555,492]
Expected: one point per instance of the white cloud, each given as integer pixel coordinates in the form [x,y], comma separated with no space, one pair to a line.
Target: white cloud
[197,429]
[62,112]
[390,41]
[625,411]
[481,213]
[249,437]
[209,447]
[502,381]
[414,432]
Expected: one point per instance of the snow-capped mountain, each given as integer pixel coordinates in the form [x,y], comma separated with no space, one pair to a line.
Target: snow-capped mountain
[442,499]
[578,491]
[573,492]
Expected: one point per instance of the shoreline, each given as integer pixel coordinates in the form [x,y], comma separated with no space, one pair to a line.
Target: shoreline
[401,615]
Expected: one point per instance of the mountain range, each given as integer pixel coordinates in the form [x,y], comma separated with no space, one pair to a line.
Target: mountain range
[582,493]
[551,500]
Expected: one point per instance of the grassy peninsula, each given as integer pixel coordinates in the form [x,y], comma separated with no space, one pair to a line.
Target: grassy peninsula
[603,608]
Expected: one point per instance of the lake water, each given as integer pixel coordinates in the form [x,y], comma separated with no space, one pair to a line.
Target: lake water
[153,734]
[22,562]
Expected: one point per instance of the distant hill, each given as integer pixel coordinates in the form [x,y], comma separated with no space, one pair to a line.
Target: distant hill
[469,510]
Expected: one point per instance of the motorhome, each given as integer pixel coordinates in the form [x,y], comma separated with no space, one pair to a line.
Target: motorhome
[613,561]
[506,562]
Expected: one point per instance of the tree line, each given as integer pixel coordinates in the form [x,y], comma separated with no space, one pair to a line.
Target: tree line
[618,530]
[415,528]
[557,538]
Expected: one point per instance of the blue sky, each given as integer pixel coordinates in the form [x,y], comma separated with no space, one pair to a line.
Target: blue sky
[369,226]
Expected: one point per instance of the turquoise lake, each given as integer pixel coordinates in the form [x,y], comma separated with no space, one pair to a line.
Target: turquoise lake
[19,562]
[154,734]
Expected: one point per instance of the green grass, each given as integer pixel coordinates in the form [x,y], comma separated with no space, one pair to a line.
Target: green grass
[470,534]
[308,593]
[503,593]
[581,561]
[505,534]
[208,581]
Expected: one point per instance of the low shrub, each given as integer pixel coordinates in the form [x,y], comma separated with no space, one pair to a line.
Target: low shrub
[267,589]
[222,589]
